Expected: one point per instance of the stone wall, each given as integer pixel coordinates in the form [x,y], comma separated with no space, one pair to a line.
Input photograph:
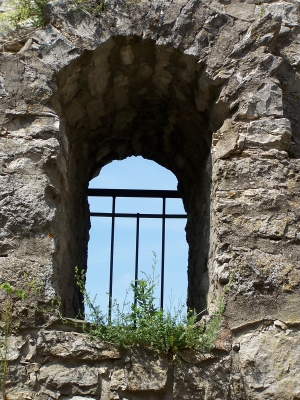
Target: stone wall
[57,362]
[210,90]
[60,362]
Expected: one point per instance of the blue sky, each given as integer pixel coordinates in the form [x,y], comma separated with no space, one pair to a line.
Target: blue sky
[136,173]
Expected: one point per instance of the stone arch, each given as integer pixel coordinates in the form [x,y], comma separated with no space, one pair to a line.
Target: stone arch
[245,85]
[132,97]
[236,93]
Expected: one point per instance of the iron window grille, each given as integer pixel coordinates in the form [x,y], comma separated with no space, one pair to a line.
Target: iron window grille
[114,194]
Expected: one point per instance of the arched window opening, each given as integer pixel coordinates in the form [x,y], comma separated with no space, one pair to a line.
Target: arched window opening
[136,173]
[134,97]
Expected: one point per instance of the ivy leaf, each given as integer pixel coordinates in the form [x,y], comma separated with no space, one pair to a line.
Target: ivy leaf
[6,286]
[20,294]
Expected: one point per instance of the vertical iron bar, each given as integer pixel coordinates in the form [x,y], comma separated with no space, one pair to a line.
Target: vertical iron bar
[137,236]
[162,274]
[111,256]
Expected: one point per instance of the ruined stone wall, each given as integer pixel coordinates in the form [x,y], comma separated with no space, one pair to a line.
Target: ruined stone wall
[210,90]
[56,362]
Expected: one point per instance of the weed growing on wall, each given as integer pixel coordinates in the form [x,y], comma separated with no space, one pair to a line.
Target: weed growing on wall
[22,12]
[142,323]
[8,317]
[93,7]
[7,327]
[262,7]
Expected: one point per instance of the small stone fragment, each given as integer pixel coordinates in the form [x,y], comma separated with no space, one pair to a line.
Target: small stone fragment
[280,324]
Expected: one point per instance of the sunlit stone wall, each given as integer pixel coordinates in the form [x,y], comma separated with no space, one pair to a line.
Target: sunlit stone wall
[209,91]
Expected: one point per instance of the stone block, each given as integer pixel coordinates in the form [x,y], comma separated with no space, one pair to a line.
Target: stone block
[74,345]
[267,133]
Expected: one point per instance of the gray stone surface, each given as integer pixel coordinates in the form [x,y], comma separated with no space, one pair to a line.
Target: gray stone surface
[210,90]
[260,364]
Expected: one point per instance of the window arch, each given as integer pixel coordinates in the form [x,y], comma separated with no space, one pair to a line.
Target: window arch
[148,103]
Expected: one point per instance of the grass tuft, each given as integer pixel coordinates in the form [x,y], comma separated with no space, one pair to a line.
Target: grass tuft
[142,323]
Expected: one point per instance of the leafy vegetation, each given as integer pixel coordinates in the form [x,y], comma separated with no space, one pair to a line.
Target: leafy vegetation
[9,319]
[21,12]
[93,7]
[262,7]
[142,323]
[8,326]
[139,322]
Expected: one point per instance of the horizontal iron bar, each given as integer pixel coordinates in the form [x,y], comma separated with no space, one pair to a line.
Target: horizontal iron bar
[172,194]
[125,215]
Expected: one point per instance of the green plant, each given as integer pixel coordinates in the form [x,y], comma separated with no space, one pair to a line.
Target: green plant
[94,8]
[213,327]
[262,7]
[7,328]
[8,320]
[142,323]
[33,285]
[22,11]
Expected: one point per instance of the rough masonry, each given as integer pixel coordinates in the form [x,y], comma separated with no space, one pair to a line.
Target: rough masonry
[209,90]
